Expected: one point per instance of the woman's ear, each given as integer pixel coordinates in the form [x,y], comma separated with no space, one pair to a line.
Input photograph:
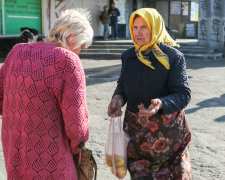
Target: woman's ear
[70,42]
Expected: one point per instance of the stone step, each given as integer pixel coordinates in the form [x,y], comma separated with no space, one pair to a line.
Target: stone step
[103,55]
[124,42]
[113,49]
[130,43]
[104,50]
[190,47]
[206,56]
[115,46]
[116,55]
[109,46]
[121,48]
[196,50]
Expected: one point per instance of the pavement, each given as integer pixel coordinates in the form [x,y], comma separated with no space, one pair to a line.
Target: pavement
[205,115]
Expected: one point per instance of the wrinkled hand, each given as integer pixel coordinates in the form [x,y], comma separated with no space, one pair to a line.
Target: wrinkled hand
[155,106]
[114,108]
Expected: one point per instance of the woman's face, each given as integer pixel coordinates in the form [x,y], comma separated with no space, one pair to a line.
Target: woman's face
[141,33]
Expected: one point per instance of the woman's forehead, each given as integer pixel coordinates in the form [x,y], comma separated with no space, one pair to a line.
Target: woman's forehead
[139,19]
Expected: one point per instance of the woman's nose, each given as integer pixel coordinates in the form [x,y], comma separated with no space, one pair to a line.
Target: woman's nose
[139,32]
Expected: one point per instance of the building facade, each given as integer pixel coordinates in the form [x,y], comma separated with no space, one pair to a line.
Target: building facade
[41,14]
[200,19]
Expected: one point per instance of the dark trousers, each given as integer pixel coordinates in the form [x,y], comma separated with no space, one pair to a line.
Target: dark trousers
[114,26]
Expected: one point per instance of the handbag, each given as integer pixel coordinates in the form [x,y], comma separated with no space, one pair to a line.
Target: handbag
[85,164]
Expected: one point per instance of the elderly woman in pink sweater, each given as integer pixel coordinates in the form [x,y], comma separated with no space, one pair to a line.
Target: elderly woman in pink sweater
[43,102]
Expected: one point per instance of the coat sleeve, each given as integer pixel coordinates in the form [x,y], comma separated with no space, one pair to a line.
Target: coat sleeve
[118,12]
[179,91]
[70,89]
[120,90]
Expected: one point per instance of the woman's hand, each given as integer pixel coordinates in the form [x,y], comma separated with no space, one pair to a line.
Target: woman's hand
[156,105]
[114,108]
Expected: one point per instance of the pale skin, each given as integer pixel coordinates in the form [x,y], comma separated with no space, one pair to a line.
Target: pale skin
[106,8]
[142,35]
[71,44]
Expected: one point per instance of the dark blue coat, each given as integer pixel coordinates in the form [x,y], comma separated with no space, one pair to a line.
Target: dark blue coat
[116,12]
[139,83]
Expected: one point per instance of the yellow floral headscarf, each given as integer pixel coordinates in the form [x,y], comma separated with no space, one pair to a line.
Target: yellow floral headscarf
[156,25]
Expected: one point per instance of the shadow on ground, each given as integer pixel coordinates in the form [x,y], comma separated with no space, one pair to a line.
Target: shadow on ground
[103,74]
[110,73]
[199,64]
[220,119]
[212,102]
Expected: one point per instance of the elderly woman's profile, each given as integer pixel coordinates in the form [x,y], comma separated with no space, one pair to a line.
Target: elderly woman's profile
[43,101]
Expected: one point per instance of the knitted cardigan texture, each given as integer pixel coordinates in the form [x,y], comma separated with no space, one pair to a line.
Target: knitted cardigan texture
[43,105]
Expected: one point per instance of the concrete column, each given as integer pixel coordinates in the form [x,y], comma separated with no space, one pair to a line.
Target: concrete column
[223,26]
[129,10]
[204,22]
[211,23]
[139,4]
[216,33]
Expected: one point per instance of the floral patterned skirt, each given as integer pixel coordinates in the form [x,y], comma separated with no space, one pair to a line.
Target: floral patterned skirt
[158,148]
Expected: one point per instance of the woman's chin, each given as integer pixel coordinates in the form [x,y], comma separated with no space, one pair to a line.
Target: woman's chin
[140,44]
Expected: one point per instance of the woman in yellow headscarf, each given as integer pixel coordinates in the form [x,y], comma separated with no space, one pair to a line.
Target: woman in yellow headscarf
[153,82]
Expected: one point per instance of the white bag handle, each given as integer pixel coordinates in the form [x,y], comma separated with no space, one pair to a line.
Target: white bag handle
[113,145]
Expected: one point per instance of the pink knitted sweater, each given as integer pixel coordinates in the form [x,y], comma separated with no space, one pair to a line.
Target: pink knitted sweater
[43,104]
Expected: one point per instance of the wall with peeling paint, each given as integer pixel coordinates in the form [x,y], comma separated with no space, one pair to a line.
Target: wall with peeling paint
[52,8]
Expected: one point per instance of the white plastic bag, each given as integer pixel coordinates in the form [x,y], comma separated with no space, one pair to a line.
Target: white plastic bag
[110,31]
[116,149]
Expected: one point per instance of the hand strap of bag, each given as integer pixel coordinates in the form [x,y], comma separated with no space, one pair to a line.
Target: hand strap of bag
[95,166]
[113,131]
[81,145]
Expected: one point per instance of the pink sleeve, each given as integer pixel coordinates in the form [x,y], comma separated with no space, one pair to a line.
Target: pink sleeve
[70,89]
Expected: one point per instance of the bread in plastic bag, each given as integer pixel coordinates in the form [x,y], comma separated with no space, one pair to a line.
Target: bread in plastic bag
[116,149]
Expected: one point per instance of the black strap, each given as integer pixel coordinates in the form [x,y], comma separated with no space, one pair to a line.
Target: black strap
[95,166]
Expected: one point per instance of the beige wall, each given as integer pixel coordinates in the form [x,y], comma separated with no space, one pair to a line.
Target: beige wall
[139,4]
[162,7]
[52,8]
